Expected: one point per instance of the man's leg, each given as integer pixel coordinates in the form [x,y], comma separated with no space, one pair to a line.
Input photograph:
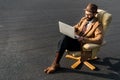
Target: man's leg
[63,44]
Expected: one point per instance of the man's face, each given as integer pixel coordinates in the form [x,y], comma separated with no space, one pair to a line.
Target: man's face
[89,15]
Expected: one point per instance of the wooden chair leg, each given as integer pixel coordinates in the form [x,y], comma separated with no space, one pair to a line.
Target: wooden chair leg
[72,57]
[76,64]
[89,65]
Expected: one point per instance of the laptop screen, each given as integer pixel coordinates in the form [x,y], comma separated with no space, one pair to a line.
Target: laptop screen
[67,29]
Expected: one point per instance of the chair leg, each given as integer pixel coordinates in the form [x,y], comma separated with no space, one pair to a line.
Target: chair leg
[89,65]
[76,64]
[72,57]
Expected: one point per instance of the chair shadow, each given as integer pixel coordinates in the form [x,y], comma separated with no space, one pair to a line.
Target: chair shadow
[112,63]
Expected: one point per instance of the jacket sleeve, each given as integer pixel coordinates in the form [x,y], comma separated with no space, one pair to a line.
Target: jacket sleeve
[98,36]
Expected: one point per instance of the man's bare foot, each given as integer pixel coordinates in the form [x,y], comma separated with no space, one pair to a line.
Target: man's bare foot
[51,68]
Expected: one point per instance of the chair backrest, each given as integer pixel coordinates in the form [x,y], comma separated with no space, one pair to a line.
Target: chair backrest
[105,18]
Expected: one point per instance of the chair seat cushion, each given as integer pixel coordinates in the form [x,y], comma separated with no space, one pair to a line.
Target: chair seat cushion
[90,46]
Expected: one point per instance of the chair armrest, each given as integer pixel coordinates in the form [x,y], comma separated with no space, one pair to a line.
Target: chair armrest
[90,46]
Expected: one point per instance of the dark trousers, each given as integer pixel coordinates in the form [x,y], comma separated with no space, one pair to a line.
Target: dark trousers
[69,44]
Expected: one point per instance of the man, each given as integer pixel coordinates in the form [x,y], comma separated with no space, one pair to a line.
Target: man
[89,30]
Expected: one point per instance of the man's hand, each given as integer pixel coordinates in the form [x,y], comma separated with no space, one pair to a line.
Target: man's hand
[80,38]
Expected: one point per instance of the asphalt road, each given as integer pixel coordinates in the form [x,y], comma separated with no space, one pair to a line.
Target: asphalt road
[29,35]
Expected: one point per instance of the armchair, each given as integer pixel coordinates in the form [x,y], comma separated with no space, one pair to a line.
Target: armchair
[105,18]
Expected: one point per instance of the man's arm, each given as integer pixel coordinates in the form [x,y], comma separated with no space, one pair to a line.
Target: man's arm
[98,36]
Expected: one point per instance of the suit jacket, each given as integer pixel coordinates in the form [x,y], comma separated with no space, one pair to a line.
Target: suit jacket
[94,32]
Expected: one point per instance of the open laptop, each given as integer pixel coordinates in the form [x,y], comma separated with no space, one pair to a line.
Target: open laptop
[67,30]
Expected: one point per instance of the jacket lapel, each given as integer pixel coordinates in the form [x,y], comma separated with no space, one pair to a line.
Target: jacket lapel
[82,25]
[89,28]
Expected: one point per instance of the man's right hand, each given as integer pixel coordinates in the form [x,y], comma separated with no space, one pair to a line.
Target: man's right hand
[80,38]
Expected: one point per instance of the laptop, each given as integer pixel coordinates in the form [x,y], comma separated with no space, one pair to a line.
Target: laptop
[67,30]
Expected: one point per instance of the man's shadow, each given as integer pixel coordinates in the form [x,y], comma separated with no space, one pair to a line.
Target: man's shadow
[113,65]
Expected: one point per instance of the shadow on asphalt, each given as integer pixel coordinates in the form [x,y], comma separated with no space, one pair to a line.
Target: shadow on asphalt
[113,65]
